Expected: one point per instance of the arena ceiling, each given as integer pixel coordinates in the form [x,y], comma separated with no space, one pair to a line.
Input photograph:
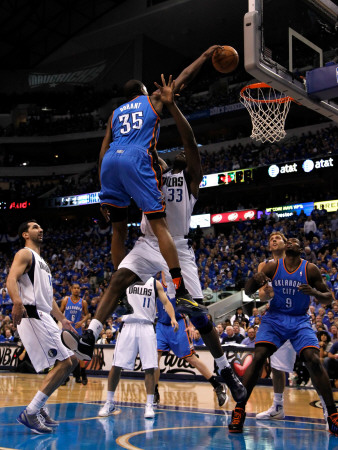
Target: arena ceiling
[31,30]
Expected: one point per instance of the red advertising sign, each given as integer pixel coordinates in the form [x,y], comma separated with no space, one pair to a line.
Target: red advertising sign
[234,216]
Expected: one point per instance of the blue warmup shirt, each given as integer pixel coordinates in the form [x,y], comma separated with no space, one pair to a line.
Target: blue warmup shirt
[73,312]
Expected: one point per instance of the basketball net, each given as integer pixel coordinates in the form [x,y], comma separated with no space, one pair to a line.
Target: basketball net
[268,109]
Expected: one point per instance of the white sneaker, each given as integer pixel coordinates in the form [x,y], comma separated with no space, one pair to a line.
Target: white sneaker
[107,409]
[149,411]
[273,413]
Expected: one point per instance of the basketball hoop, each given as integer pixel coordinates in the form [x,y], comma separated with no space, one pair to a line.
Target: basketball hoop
[268,109]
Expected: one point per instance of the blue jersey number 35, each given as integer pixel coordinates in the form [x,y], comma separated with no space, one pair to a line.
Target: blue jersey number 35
[131,121]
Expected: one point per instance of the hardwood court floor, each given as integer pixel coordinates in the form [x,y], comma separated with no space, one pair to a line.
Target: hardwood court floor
[188,417]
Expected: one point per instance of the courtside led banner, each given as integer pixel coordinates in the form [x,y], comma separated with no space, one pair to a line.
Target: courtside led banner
[233,216]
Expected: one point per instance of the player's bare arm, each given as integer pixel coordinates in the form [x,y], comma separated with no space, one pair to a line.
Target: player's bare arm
[192,156]
[167,305]
[105,143]
[59,316]
[261,278]
[63,304]
[21,264]
[316,287]
[266,292]
[187,75]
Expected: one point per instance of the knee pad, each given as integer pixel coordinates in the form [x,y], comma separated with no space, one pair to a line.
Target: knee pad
[202,323]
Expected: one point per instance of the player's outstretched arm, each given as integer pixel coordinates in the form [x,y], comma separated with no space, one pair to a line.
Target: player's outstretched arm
[167,305]
[261,278]
[21,263]
[194,166]
[192,70]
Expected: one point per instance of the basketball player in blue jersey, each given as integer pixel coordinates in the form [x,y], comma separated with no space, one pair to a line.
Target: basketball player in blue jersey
[293,281]
[181,345]
[75,310]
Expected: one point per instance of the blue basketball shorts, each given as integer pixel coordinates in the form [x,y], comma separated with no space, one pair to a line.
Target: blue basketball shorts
[179,343]
[130,172]
[277,328]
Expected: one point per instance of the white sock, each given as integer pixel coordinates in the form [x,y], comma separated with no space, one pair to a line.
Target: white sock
[110,396]
[323,404]
[150,399]
[37,403]
[278,399]
[96,327]
[222,362]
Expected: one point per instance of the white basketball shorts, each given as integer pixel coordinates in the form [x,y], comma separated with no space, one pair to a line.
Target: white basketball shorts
[145,260]
[42,341]
[136,338]
[284,358]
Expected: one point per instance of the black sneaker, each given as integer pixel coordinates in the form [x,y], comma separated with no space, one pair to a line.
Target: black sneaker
[156,400]
[82,346]
[77,379]
[187,305]
[65,381]
[237,420]
[237,389]
[221,394]
[123,307]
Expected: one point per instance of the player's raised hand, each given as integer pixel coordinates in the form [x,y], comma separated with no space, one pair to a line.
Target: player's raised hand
[165,93]
[208,53]
[174,324]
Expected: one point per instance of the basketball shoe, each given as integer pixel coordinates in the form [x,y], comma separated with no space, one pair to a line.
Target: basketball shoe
[47,420]
[33,422]
[149,412]
[237,389]
[221,394]
[275,412]
[82,346]
[237,420]
[187,305]
[332,420]
[107,409]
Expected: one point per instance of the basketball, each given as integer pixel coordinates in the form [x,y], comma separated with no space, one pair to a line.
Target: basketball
[225,59]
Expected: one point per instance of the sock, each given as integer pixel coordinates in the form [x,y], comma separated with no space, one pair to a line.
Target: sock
[278,399]
[150,399]
[156,387]
[37,403]
[96,327]
[178,280]
[212,380]
[110,396]
[222,362]
[323,403]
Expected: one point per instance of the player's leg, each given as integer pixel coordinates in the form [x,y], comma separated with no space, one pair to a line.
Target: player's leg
[149,380]
[219,388]
[83,346]
[262,352]
[113,381]
[157,379]
[321,382]
[168,251]
[83,373]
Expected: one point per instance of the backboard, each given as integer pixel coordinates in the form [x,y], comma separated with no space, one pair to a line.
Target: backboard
[284,39]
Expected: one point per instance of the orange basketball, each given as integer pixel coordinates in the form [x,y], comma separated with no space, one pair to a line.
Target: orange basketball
[225,59]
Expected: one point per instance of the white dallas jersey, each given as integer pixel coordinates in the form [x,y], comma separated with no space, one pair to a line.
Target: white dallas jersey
[35,286]
[179,205]
[142,297]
